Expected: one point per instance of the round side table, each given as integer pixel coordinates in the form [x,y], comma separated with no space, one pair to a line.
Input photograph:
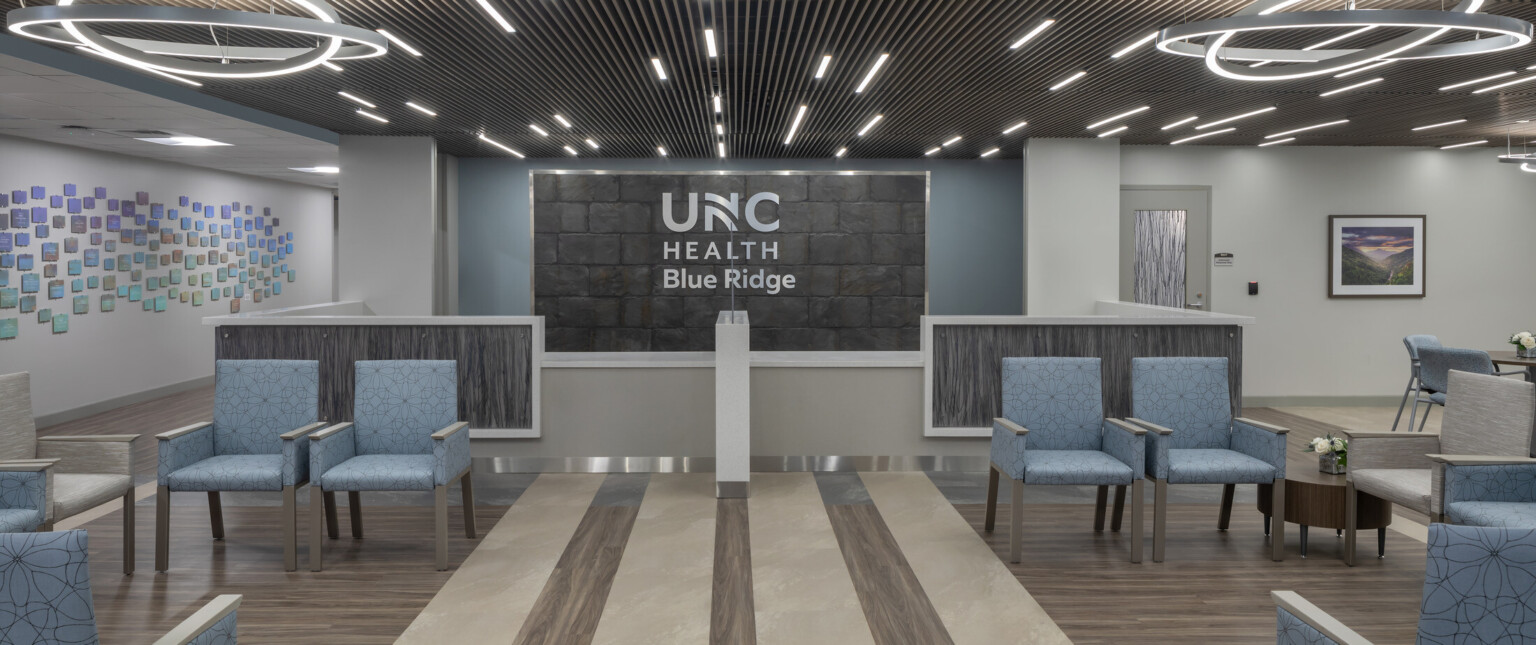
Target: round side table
[1314,498]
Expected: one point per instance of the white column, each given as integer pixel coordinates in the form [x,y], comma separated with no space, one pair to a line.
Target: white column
[1071,225]
[387,247]
[733,404]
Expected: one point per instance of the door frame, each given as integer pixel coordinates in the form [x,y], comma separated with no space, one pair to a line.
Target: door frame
[1210,235]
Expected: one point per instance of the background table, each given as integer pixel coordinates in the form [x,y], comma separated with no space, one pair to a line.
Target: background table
[1506,357]
[1315,498]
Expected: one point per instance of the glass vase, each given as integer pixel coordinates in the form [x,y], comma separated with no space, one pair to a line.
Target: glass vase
[1331,463]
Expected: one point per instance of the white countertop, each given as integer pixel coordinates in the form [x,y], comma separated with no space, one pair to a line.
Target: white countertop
[657,360]
[354,313]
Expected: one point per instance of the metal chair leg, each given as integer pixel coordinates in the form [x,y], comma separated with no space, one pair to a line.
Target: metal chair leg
[216,514]
[1404,402]
[467,493]
[1413,414]
[1225,518]
[162,528]
[1114,522]
[330,514]
[355,512]
[1430,407]
[1099,503]
[992,477]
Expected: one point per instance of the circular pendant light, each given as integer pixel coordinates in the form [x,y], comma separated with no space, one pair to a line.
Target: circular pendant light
[75,25]
[1493,33]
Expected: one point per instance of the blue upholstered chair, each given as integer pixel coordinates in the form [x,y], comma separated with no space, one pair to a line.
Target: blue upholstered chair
[24,494]
[1186,406]
[1414,343]
[404,436]
[1477,589]
[1435,365]
[261,412]
[1053,432]
[47,597]
[1488,490]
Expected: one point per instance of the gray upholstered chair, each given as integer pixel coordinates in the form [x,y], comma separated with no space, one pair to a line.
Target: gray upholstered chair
[1435,366]
[1414,343]
[24,494]
[404,436]
[47,596]
[1477,589]
[1485,490]
[88,470]
[1488,415]
[1056,407]
[262,410]
[1186,406]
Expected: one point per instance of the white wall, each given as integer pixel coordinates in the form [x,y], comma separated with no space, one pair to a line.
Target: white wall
[107,355]
[388,189]
[1270,207]
[1071,224]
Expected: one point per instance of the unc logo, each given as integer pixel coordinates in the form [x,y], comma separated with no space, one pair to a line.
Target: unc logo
[717,208]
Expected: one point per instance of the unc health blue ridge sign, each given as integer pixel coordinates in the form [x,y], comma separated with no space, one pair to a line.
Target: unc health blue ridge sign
[644,261]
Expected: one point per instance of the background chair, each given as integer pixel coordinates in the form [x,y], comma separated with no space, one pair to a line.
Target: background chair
[1489,490]
[1192,439]
[1488,416]
[1414,343]
[404,435]
[1476,590]
[47,596]
[1435,366]
[88,470]
[24,494]
[1058,405]
[261,412]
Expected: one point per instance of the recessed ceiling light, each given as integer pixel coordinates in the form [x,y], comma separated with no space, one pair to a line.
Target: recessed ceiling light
[720,146]
[1180,122]
[535,127]
[872,121]
[720,129]
[331,66]
[951,141]
[794,125]
[717,104]
[1310,127]
[1338,38]
[1517,81]
[873,69]
[1367,68]
[932,152]
[191,142]
[1438,125]
[1113,131]
[661,74]
[420,108]
[1234,118]
[373,116]
[821,70]
[402,44]
[1119,116]
[592,143]
[840,152]
[501,145]
[1276,143]
[1356,86]
[709,42]
[1475,81]
[1463,145]
[990,152]
[1201,136]
[562,120]
[569,150]
[320,170]
[1030,35]
[1014,128]
[661,150]
[358,100]
[1068,80]
[1133,46]
[496,15]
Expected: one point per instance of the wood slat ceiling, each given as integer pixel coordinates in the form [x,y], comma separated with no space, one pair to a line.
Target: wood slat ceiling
[950,73]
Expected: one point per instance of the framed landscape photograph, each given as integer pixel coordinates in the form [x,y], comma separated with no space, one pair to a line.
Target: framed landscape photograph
[1376,256]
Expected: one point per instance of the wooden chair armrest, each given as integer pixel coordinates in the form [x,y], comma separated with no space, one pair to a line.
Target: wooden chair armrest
[299,432]
[1150,426]
[1128,427]
[91,437]
[1011,426]
[27,465]
[167,436]
[1320,620]
[1263,426]
[316,436]
[1481,460]
[201,620]
[1360,434]
[443,434]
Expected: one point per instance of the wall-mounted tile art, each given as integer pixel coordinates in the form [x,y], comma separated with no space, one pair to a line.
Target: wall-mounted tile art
[212,254]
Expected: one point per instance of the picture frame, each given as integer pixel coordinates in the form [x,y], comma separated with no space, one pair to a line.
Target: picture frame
[1377,256]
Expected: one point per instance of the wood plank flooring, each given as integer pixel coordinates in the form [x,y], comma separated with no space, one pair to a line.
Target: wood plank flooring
[568,610]
[731,619]
[898,611]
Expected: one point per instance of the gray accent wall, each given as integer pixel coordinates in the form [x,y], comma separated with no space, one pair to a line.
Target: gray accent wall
[975,222]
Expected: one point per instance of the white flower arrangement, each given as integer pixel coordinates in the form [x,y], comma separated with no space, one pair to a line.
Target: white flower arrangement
[1523,340]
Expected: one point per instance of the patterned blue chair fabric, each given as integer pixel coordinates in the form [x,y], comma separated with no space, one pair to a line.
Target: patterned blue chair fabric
[1492,494]
[1193,438]
[1436,364]
[47,596]
[1059,402]
[1416,342]
[23,499]
[261,411]
[404,436]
